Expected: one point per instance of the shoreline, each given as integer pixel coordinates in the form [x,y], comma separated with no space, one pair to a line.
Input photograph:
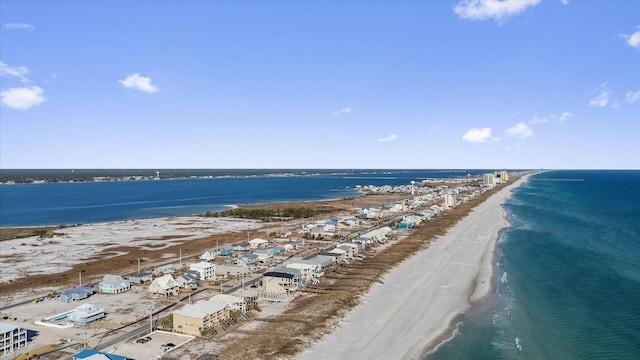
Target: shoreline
[445,280]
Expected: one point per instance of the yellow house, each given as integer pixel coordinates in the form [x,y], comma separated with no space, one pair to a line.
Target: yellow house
[193,319]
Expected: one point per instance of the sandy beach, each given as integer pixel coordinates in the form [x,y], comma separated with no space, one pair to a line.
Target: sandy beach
[420,299]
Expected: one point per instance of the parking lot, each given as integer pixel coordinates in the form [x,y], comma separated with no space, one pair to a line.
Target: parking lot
[152,348]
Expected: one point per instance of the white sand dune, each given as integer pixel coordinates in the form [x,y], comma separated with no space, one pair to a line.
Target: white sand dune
[419,300]
[33,256]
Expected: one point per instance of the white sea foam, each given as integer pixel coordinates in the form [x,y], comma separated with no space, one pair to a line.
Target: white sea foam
[503,279]
[454,333]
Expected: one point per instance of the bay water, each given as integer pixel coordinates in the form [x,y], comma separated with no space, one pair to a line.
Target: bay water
[66,203]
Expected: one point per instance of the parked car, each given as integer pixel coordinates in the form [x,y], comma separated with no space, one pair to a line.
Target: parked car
[167,346]
[143,340]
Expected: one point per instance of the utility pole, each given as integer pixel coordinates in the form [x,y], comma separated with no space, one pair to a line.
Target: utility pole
[150,307]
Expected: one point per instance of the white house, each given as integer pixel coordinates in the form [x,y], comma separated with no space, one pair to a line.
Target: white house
[165,285]
[234,302]
[263,254]
[11,338]
[376,235]
[257,242]
[341,252]
[85,314]
[206,270]
[353,248]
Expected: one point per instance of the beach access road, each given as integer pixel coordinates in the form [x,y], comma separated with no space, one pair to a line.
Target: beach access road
[420,299]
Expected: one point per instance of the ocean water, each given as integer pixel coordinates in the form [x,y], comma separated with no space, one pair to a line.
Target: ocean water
[91,202]
[567,275]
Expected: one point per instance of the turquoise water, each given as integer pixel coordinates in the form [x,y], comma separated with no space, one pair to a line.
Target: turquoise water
[60,319]
[568,274]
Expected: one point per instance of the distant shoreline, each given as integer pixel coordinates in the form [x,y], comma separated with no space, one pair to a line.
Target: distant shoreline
[46,176]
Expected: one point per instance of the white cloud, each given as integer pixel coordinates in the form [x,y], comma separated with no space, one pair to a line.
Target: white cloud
[633,96]
[138,82]
[562,117]
[564,1]
[389,138]
[499,10]
[16,71]
[477,136]
[23,98]
[520,130]
[602,99]
[20,26]
[536,120]
[345,111]
[633,39]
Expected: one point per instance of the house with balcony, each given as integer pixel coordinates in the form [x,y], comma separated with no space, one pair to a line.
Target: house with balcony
[258,243]
[247,259]
[85,314]
[278,284]
[225,250]
[114,284]
[206,270]
[196,319]
[208,256]
[11,338]
[189,279]
[235,303]
[165,285]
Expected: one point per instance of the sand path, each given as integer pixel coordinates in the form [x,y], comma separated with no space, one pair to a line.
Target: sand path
[419,299]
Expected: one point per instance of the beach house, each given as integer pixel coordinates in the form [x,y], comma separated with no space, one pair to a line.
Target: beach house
[250,297]
[85,314]
[195,319]
[11,338]
[189,279]
[281,282]
[165,285]
[258,243]
[226,250]
[235,303]
[140,277]
[206,270]
[208,256]
[79,293]
[114,284]
[263,254]
[247,259]
[88,354]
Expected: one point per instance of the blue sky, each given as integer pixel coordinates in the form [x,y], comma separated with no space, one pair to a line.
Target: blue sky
[356,84]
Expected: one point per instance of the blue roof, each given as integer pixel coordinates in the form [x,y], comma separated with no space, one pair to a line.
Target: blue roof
[85,353]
